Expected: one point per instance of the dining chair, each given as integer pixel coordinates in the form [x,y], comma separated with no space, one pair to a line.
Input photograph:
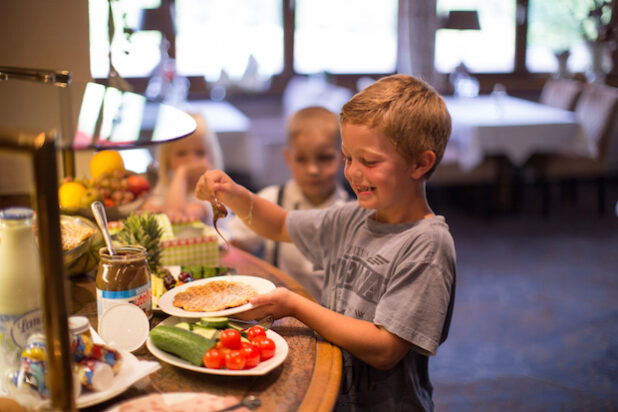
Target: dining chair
[561,93]
[597,113]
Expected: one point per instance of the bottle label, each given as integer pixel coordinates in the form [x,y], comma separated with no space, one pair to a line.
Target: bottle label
[15,331]
[140,296]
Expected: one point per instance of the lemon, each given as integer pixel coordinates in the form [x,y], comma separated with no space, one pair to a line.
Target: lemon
[70,194]
[105,161]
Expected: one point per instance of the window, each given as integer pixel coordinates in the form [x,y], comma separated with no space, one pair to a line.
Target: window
[283,37]
[133,56]
[554,27]
[216,35]
[226,35]
[335,37]
[491,49]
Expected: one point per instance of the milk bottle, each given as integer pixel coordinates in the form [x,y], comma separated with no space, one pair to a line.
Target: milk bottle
[20,285]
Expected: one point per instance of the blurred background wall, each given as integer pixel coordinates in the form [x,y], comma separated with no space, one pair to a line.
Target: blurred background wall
[44,35]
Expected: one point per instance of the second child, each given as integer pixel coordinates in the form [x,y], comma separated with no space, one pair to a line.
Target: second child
[180,164]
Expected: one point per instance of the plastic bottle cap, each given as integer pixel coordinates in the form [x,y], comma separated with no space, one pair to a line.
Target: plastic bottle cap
[125,326]
[16,213]
[78,324]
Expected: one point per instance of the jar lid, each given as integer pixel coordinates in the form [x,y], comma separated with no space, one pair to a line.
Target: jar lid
[78,324]
[16,213]
[125,326]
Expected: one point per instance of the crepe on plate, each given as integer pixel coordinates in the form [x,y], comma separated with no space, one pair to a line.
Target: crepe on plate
[214,296]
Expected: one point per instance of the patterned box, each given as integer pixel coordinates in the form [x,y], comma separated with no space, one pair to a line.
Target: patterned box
[194,243]
[184,242]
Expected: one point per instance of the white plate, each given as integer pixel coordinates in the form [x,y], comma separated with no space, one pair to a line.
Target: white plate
[173,398]
[131,371]
[166,303]
[281,352]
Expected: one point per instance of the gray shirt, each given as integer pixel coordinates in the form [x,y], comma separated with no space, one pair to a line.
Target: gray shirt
[399,276]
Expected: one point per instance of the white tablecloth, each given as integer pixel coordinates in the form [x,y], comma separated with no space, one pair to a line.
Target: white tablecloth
[516,128]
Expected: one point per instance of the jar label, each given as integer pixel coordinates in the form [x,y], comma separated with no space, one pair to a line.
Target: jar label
[140,296]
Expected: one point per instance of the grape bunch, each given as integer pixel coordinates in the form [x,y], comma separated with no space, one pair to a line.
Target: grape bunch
[170,282]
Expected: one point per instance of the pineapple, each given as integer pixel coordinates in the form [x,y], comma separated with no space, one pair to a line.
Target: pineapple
[143,230]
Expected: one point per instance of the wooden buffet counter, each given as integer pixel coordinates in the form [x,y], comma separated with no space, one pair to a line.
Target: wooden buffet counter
[308,379]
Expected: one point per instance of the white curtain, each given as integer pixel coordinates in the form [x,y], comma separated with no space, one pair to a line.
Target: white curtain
[416,38]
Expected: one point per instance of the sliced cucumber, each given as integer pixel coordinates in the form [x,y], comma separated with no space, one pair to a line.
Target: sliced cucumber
[184,325]
[208,333]
[214,322]
[181,342]
[238,326]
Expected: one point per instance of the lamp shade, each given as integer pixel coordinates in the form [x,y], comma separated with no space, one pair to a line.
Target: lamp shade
[159,19]
[462,20]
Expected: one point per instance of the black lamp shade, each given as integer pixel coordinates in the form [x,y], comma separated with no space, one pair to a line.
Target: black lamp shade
[462,20]
[159,19]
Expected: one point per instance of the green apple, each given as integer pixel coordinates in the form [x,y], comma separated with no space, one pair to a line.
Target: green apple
[90,195]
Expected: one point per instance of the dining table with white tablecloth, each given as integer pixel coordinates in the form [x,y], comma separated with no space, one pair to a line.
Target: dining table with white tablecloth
[512,127]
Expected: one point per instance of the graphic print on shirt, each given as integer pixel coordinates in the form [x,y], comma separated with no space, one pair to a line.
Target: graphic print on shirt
[358,283]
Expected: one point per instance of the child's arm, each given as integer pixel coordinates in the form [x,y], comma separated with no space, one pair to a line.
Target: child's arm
[177,203]
[262,216]
[368,342]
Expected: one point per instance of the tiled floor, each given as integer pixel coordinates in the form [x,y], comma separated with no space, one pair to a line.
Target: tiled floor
[535,326]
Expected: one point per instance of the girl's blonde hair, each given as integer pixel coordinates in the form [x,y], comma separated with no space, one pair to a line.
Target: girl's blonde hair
[215,156]
[407,110]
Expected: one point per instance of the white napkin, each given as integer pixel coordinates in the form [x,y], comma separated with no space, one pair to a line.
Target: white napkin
[131,371]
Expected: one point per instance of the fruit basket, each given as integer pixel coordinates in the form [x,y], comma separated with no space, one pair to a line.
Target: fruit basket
[113,212]
[121,190]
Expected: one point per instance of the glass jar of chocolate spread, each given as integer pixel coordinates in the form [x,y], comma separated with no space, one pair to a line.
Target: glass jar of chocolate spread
[123,277]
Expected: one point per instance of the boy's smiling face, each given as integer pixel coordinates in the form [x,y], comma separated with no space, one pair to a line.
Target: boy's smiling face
[378,174]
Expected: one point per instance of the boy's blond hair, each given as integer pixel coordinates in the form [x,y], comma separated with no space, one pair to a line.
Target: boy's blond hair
[407,110]
[215,156]
[313,118]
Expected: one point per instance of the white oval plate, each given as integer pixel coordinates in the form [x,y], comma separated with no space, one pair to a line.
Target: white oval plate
[166,303]
[281,352]
[172,399]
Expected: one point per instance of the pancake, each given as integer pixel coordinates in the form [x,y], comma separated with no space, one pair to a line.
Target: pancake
[214,296]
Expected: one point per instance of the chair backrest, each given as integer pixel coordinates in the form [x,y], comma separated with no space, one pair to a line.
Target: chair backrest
[597,113]
[561,93]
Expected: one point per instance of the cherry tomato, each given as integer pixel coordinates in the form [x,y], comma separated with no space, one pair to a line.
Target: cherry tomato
[230,338]
[214,359]
[222,348]
[266,347]
[235,360]
[251,353]
[255,331]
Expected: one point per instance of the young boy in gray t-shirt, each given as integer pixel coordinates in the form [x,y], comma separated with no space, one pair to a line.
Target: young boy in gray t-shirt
[389,261]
